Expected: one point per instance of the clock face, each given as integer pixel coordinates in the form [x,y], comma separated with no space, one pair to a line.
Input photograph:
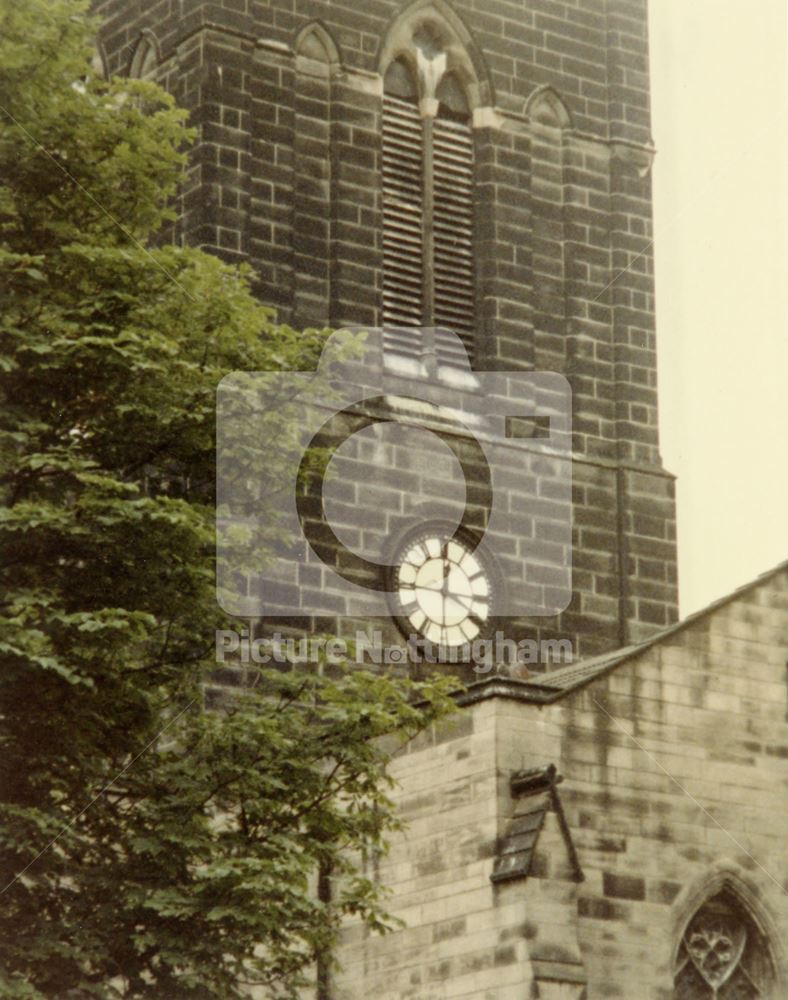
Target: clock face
[442,588]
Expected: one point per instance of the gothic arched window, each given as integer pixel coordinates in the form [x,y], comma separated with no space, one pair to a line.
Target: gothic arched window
[145,60]
[427,181]
[723,956]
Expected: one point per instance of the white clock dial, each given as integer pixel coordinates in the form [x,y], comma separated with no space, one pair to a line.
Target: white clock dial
[443,590]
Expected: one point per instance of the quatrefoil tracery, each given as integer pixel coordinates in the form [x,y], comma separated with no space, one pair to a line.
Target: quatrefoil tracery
[715,947]
[723,955]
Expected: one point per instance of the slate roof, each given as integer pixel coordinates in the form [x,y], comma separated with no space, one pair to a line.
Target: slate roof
[546,688]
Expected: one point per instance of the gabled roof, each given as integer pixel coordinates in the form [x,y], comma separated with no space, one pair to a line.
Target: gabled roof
[552,686]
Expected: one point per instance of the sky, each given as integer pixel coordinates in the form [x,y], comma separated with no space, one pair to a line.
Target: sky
[720,125]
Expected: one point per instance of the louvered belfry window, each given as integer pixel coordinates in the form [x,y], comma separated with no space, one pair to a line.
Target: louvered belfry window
[427,166]
[453,213]
[403,201]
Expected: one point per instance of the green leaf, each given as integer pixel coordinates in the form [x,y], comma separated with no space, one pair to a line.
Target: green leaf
[150,835]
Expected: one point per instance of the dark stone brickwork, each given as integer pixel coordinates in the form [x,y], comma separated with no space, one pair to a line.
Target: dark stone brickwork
[286,176]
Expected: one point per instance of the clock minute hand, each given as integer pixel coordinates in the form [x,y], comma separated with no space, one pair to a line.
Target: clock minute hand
[445,586]
[466,602]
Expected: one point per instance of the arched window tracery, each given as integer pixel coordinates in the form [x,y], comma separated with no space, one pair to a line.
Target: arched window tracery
[427,186]
[723,955]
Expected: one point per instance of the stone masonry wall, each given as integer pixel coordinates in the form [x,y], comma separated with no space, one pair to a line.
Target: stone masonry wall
[286,98]
[696,804]
[708,706]
[456,944]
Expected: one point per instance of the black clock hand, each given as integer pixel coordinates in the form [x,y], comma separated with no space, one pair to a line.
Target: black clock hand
[445,585]
[466,602]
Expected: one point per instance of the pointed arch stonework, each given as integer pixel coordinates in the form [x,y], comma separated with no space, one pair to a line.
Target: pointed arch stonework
[146,56]
[546,107]
[314,168]
[726,944]
[462,55]
[316,51]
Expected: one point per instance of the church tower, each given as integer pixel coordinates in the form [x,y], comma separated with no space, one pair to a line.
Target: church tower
[608,828]
[482,167]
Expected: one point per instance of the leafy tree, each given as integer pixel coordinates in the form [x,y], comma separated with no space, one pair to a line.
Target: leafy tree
[149,848]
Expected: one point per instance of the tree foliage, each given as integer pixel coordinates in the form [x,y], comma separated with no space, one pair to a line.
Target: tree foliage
[149,848]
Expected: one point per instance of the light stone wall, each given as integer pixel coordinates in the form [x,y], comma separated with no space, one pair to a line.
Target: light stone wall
[699,802]
[458,943]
